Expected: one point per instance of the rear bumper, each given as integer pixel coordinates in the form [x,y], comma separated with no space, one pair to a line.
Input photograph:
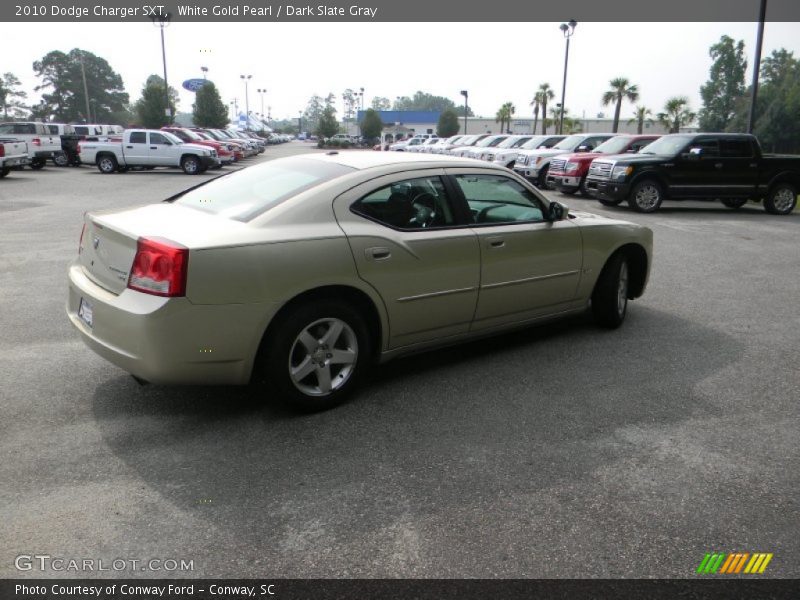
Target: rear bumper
[607,189]
[167,340]
[15,161]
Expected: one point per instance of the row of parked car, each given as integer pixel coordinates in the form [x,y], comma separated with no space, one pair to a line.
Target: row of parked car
[643,170]
[35,143]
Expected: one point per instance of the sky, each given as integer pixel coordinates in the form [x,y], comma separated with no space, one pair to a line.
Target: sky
[495,62]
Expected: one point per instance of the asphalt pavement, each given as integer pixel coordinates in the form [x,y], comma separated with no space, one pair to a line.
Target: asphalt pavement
[558,451]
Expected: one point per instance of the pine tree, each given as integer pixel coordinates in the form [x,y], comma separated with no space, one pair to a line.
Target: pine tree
[209,110]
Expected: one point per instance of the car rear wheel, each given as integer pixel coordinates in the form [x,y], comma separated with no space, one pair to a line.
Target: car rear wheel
[610,296]
[646,196]
[781,199]
[190,165]
[37,163]
[107,164]
[317,355]
[60,159]
[4,171]
[541,180]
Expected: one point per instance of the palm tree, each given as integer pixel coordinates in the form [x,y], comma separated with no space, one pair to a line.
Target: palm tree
[536,103]
[570,125]
[620,90]
[676,114]
[504,115]
[546,94]
[640,116]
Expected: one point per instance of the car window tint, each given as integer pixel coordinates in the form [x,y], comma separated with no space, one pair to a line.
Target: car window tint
[498,199]
[736,148]
[707,146]
[138,137]
[245,194]
[420,203]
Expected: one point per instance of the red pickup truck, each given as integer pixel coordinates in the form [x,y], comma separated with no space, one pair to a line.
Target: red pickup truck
[568,171]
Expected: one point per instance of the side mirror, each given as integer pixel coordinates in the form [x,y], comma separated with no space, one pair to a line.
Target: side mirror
[582,149]
[692,154]
[556,211]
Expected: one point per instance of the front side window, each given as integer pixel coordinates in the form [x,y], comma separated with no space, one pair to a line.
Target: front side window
[495,199]
[705,147]
[157,138]
[420,203]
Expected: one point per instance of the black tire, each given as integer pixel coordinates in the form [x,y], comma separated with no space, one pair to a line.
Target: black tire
[582,188]
[610,296]
[122,169]
[191,165]
[646,196]
[734,203]
[609,201]
[37,163]
[541,180]
[107,164]
[283,349]
[568,191]
[60,159]
[4,171]
[781,200]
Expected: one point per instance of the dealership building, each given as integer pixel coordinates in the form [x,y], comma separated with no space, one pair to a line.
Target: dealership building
[401,122]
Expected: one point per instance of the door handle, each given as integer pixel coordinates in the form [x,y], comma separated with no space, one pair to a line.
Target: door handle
[496,242]
[718,165]
[129,146]
[153,147]
[378,253]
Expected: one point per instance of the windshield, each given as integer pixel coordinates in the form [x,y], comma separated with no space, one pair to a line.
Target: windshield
[189,135]
[486,141]
[172,137]
[570,142]
[615,145]
[243,195]
[532,143]
[509,142]
[669,145]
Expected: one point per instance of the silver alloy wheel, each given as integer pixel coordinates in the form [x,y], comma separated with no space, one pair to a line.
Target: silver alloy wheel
[60,159]
[622,289]
[106,165]
[783,200]
[323,357]
[647,196]
[190,165]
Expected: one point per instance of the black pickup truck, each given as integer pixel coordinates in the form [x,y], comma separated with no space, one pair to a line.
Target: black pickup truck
[729,167]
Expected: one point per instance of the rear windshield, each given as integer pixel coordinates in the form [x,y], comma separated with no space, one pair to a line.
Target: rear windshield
[243,195]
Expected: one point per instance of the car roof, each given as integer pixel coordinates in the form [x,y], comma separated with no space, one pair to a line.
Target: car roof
[370,159]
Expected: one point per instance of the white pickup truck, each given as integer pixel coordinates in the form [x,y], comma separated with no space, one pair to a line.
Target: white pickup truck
[13,153]
[147,148]
[41,143]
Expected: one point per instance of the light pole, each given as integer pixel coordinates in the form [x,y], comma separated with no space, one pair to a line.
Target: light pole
[300,122]
[204,70]
[235,106]
[262,92]
[751,119]
[567,29]
[161,21]
[246,79]
[465,93]
[362,98]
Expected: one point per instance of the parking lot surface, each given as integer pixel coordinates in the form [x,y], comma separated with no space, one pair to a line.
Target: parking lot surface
[558,451]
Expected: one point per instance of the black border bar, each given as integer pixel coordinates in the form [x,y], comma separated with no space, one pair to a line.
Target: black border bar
[441,11]
[405,589]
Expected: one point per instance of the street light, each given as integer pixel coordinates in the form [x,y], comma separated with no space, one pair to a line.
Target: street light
[567,29]
[465,93]
[246,78]
[262,92]
[204,70]
[161,21]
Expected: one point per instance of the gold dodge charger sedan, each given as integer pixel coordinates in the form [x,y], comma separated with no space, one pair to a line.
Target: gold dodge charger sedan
[302,271]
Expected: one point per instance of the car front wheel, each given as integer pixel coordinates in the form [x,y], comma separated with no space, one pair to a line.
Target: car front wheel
[781,199]
[190,165]
[610,296]
[646,196]
[317,355]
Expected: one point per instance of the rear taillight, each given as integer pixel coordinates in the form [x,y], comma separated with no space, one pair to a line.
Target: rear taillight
[159,267]
[36,142]
[78,148]
[2,150]
[80,243]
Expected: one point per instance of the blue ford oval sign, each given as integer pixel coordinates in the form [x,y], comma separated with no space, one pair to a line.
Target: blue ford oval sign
[194,84]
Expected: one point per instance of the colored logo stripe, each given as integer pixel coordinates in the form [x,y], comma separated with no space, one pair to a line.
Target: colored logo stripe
[723,563]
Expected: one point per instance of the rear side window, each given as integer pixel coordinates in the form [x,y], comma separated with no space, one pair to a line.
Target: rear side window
[138,137]
[735,148]
[411,204]
[243,195]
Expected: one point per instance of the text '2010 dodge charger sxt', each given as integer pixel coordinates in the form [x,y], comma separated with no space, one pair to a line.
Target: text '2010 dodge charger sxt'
[305,270]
